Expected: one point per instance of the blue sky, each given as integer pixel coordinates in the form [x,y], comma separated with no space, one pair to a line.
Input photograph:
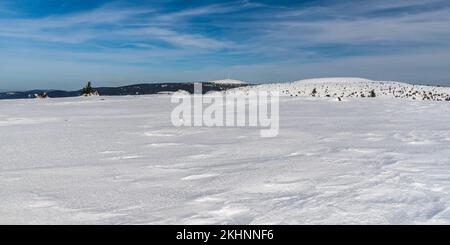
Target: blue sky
[60,44]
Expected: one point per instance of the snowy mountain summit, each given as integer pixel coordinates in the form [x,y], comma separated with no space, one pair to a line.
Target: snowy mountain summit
[227,81]
[353,87]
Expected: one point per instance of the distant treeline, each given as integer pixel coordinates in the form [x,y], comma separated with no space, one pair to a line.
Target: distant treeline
[137,89]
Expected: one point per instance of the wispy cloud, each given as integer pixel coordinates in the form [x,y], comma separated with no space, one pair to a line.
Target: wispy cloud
[217,36]
[105,23]
[430,26]
[333,25]
[200,11]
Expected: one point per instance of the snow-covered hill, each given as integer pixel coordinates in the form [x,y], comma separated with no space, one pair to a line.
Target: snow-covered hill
[228,81]
[354,87]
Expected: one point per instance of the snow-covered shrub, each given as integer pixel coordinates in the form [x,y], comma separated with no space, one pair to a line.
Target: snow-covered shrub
[88,90]
[41,96]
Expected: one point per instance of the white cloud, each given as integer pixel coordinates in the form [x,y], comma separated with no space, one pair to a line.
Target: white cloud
[199,11]
[281,42]
[419,27]
[290,32]
[126,24]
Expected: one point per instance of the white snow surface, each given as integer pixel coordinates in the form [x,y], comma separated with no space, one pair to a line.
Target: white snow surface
[228,81]
[119,160]
[353,87]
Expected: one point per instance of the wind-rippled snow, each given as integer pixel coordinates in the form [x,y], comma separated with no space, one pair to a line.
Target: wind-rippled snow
[119,160]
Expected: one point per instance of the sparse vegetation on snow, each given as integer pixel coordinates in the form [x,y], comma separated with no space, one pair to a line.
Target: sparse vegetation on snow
[354,88]
[88,90]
